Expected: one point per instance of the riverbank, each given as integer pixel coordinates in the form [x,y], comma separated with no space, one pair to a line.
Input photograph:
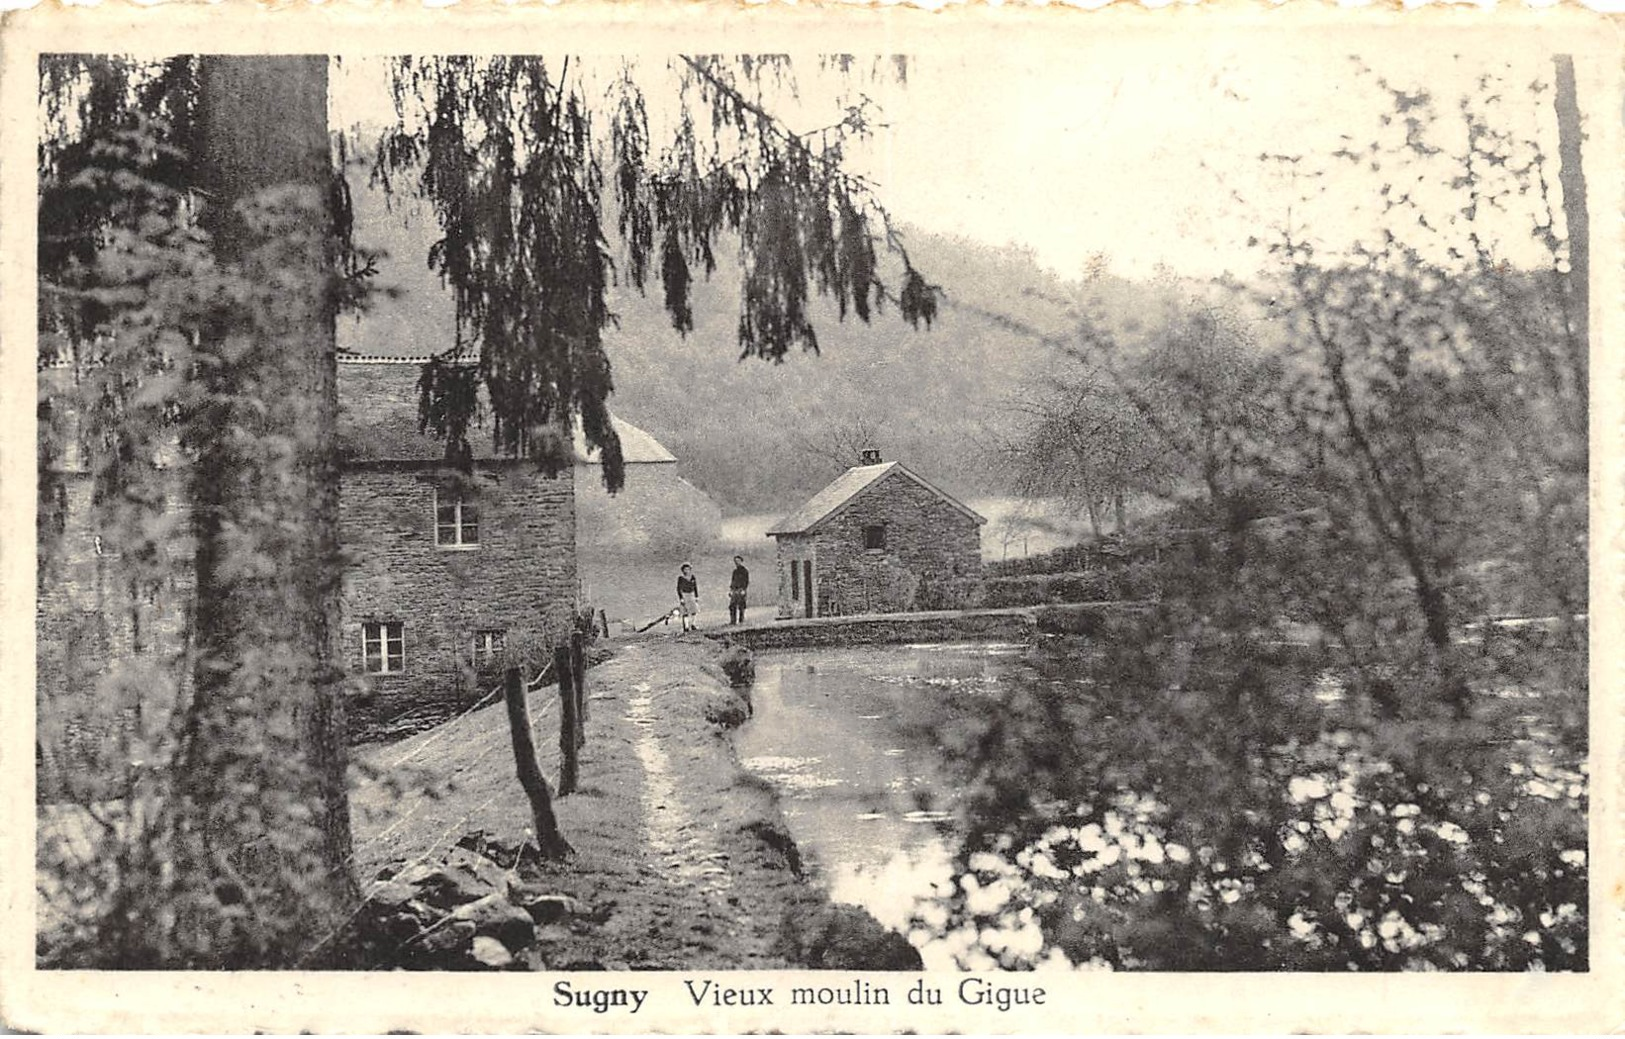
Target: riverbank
[681,858]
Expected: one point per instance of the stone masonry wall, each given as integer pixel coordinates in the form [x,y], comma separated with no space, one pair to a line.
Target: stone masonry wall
[792,548]
[521,579]
[927,540]
[959,626]
[87,617]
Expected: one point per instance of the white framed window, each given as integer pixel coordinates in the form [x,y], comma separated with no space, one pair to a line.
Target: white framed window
[488,646]
[456,522]
[383,647]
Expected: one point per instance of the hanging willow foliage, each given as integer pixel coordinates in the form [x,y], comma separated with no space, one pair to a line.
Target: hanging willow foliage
[507,152]
[116,131]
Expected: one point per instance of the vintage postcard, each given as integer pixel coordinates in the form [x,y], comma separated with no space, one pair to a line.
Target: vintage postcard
[704,518]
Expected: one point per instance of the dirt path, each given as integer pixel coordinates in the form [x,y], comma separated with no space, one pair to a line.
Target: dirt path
[688,852]
[669,832]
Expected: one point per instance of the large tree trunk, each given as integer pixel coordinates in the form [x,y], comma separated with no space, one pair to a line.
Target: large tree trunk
[262,813]
[1561,517]
[1571,175]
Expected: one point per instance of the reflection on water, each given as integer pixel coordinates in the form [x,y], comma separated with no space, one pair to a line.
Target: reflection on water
[844,736]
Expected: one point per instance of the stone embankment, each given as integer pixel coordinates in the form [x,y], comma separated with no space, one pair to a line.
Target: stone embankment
[1009,624]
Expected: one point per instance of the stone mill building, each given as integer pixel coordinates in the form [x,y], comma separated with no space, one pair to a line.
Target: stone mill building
[449,571]
[445,572]
[879,539]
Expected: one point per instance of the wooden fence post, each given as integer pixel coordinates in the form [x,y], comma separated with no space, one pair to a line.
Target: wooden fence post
[568,725]
[578,676]
[549,841]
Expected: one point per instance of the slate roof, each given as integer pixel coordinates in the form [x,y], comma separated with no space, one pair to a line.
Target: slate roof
[840,493]
[638,446]
[378,420]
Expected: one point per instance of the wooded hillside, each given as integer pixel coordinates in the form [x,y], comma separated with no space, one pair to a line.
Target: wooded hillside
[756,435]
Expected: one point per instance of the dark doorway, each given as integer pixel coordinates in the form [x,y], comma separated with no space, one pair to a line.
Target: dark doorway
[806,587]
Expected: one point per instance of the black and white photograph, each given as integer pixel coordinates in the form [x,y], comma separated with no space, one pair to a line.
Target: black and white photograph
[758,526]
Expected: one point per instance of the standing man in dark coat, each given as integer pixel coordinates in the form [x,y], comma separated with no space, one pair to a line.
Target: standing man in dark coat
[738,585]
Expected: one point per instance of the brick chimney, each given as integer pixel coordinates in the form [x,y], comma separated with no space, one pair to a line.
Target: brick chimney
[871,456]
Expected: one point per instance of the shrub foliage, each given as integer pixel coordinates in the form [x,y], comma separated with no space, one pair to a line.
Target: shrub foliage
[1329,748]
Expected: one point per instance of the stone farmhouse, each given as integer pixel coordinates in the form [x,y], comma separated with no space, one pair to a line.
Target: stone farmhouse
[876,540]
[88,614]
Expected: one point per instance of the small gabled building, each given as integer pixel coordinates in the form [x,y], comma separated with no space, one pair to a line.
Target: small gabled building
[656,512]
[878,539]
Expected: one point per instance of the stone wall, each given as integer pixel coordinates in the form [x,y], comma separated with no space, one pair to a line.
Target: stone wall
[994,626]
[88,616]
[521,579]
[927,541]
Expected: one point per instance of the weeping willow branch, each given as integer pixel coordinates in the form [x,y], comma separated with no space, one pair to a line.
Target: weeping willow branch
[513,161]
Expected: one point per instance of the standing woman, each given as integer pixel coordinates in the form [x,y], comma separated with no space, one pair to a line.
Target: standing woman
[688,598]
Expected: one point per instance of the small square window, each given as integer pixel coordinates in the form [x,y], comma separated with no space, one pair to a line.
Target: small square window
[457,522]
[488,646]
[383,647]
[874,538]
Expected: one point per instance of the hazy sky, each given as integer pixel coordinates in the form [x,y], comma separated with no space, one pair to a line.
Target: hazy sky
[1141,158]
[1135,146]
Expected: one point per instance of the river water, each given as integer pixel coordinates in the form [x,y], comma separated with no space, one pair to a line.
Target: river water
[848,738]
[855,741]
